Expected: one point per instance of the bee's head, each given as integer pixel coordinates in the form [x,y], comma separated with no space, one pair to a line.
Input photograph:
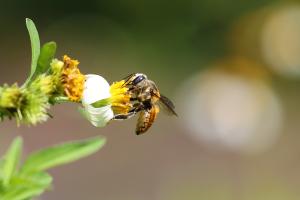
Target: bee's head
[138,78]
[135,79]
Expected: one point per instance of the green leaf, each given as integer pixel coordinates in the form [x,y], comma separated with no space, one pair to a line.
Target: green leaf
[35,47]
[61,154]
[11,160]
[46,55]
[1,169]
[39,179]
[22,192]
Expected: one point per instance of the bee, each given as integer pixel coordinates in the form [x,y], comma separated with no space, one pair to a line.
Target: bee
[147,101]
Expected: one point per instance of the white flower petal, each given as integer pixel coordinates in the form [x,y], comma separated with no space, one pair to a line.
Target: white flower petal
[95,89]
[99,117]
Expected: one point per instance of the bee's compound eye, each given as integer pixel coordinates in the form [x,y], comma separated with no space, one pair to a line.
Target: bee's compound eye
[138,79]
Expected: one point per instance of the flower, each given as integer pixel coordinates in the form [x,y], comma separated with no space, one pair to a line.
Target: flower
[102,101]
[72,80]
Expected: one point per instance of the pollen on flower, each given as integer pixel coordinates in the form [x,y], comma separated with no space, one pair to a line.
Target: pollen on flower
[120,98]
[72,79]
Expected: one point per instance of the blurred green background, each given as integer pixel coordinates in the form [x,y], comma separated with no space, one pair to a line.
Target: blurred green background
[231,67]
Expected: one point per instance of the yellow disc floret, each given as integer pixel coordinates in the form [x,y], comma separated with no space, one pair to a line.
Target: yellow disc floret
[120,98]
[72,79]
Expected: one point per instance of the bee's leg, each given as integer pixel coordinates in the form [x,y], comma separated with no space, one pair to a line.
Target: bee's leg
[137,107]
[133,99]
[123,116]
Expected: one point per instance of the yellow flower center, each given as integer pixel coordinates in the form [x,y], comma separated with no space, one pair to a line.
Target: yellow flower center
[120,99]
[72,79]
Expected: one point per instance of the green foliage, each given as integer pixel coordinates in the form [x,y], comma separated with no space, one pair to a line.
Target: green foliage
[11,160]
[61,154]
[30,179]
[26,187]
[35,47]
[40,58]
[46,56]
[29,103]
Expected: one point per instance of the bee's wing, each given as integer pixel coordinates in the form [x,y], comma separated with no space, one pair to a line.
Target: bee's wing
[167,105]
[146,119]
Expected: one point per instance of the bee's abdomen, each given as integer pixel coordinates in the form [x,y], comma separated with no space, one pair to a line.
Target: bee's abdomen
[146,119]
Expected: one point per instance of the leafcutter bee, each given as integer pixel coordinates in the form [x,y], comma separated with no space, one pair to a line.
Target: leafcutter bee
[147,101]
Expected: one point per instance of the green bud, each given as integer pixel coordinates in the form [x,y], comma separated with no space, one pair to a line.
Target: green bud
[56,66]
[36,100]
[34,106]
[10,96]
[43,84]
[56,69]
